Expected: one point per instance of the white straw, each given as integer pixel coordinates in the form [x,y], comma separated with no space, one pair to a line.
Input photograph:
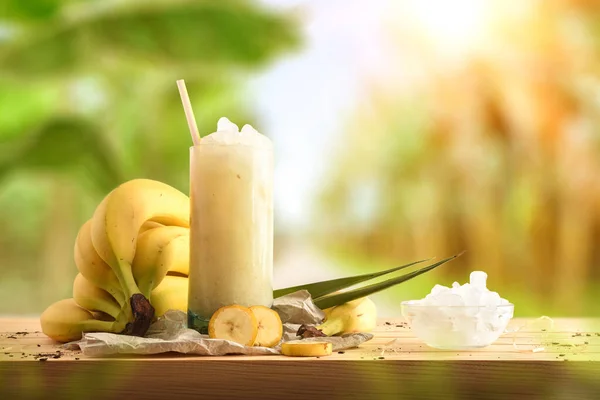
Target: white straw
[189,113]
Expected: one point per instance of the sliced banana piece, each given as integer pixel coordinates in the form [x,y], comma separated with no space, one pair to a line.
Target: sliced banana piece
[235,323]
[298,348]
[270,328]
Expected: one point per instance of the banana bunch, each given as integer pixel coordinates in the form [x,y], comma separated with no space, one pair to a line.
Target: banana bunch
[133,262]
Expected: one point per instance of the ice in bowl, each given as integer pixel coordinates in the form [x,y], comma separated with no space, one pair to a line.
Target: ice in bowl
[459,317]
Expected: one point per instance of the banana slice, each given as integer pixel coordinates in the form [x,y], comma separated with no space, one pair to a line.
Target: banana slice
[270,328]
[235,323]
[298,348]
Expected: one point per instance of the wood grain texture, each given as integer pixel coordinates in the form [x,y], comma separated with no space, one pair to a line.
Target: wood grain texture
[393,364]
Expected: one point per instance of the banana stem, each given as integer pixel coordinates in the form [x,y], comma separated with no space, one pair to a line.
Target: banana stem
[120,322]
[138,308]
[95,325]
[331,327]
[113,310]
[146,289]
[128,287]
[126,279]
[118,296]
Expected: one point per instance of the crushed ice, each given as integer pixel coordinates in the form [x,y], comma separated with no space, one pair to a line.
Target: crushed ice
[225,125]
[468,315]
[473,293]
[229,133]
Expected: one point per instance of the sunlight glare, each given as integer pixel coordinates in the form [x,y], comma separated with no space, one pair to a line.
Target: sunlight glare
[453,26]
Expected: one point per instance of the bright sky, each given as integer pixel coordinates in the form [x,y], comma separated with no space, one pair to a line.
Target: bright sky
[302,100]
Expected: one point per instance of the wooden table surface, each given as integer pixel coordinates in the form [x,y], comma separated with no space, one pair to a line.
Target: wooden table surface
[527,362]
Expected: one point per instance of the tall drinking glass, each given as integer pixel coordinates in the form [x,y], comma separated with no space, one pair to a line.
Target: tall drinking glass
[231,227]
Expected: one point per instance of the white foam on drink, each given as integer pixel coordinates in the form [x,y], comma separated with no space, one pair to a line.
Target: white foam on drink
[228,133]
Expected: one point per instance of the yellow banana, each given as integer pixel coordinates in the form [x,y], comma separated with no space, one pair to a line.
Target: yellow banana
[92,298]
[102,316]
[171,294]
[158,250]
[149,225]
[175,257]
[92,267]
[359,315]
[65,321]
[115,227]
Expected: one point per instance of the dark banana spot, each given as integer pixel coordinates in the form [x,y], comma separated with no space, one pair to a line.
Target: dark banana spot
[143,314]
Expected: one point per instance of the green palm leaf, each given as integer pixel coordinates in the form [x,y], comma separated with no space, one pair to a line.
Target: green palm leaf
[319,289]
[344,297]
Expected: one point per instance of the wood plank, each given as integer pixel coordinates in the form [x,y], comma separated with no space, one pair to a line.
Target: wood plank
[393,340]
[11,324]
[393,364]
[269,379]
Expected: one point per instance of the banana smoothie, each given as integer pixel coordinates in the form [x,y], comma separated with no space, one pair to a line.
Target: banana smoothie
[231,222]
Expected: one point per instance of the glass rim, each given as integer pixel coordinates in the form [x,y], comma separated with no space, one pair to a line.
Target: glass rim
[408,303]
[214,144]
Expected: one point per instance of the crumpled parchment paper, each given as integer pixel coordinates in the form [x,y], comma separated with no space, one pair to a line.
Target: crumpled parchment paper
[170,334]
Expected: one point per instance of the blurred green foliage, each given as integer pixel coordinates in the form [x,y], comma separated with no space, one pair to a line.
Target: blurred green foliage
[88,100]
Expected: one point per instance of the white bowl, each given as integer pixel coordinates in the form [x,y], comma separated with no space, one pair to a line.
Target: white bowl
[457,327]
